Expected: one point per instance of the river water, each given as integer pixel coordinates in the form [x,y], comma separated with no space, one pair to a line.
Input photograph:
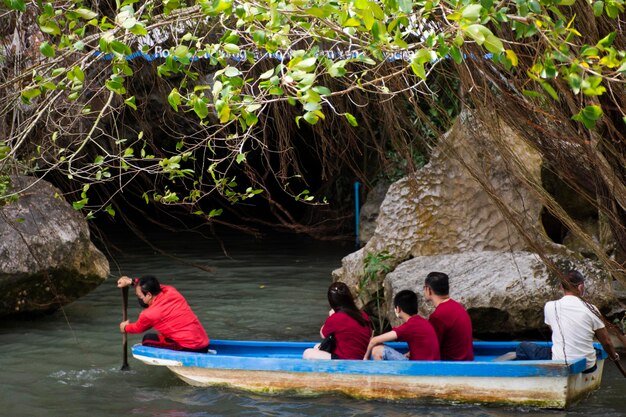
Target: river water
[67,364]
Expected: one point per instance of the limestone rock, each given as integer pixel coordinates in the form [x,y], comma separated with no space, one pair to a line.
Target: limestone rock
[46,256]
[504,292]
[443,209]
[369,211]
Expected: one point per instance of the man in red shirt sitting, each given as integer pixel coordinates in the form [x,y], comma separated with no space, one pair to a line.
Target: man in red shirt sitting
[415,330]
[167,311]
[450,320]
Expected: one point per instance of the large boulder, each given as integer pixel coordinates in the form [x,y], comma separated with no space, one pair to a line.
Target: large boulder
[46,256]
[503,292]
[444,208]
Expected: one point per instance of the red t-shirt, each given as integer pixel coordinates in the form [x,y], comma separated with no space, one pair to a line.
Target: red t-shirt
[351,338]
[454,331]
[171,316]
[421,337]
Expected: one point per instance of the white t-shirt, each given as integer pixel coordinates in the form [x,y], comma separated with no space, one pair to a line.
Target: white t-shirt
[574,326]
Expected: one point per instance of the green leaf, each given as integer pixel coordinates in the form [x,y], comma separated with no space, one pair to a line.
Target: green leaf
[231,48]
[471,12]
[311,117]
[455,53]
[311,106]
[80,204]
[493,44]
[406,6]
[241,157]
[215,212]
[592,112]
[181,51]
[318,12]
[306,64]
[29,94]
[110,210]
[478,33]
[612,10]
[598,7]
[512,57]
[139,30]
[418,69]
[200,108]
[588,116]
[16,5]
[337,69]
[231,72]
[46,50]
[267,74]
[351,119]
[549,89]
[86,13]
[324,91]
[352,23]
[174,99]
[115,86]
[78,74]
[51,28]
[131,102]
[607,41]
[224,113]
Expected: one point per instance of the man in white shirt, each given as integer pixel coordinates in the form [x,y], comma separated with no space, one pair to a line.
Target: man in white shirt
[574,324]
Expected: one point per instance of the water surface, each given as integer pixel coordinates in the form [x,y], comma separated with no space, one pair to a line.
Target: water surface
[67,364]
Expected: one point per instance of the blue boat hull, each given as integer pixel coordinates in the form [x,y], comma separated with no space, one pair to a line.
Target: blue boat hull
[277,367]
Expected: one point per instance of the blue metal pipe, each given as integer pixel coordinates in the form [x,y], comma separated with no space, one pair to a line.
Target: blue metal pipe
[357,185]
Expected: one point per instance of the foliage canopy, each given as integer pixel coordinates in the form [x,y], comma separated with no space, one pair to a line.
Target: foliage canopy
[83,75]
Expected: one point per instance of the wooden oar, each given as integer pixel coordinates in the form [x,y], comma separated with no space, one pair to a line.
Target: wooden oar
[125,366]
[620,367]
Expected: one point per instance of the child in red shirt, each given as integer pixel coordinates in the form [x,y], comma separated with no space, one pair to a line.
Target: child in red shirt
[415,330]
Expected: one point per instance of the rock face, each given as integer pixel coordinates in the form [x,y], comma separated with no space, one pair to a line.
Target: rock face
[370,210]
[46,256]
[443,209]
[504,293]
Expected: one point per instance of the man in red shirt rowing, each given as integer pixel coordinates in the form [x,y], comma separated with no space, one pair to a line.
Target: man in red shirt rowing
[167,311]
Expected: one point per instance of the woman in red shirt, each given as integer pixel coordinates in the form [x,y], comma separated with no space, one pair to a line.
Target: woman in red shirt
[350,326]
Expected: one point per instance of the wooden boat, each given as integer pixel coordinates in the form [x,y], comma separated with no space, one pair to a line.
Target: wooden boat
[271,367]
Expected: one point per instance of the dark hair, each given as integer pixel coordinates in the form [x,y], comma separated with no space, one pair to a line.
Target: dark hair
[406,300]
[149,284]
[438,282]
[340,299]
[572,279]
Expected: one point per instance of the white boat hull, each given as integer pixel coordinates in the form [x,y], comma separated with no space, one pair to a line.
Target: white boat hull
[546,384]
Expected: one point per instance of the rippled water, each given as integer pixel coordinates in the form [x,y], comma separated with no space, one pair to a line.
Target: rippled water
[67,364]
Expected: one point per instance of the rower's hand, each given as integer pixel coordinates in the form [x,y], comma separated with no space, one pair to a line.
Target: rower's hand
[123,326]
[124,281]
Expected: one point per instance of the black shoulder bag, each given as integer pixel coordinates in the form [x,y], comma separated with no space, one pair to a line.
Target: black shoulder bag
[328,344]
